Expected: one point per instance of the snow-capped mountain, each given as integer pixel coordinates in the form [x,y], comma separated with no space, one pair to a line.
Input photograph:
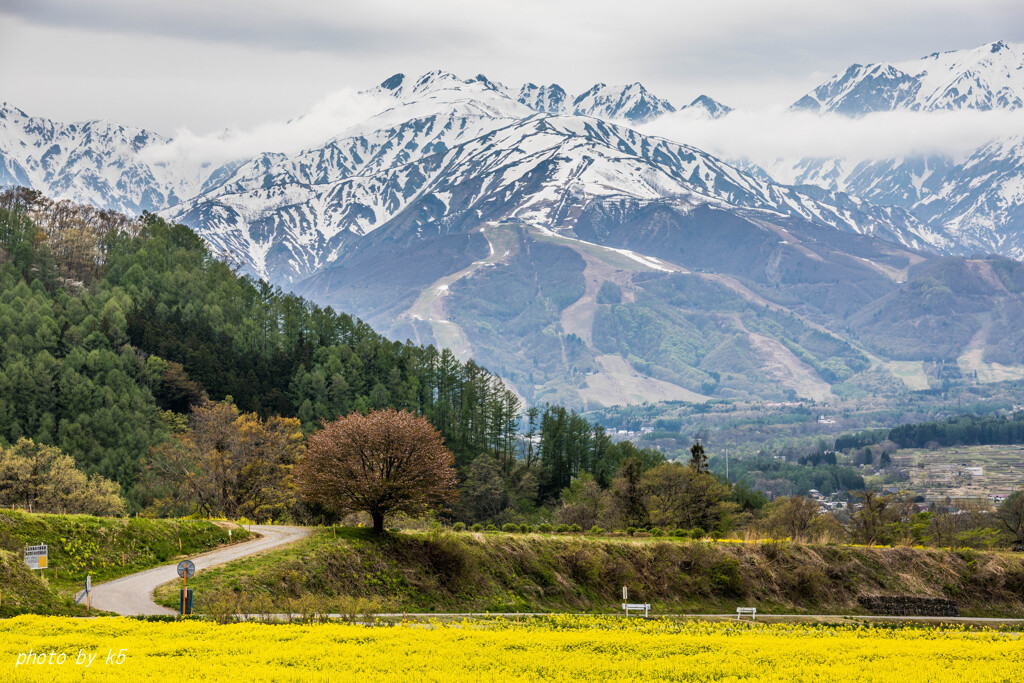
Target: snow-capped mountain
[96,162]
[985,78]
[902,181]
[461,152]
[977,203]
[489,219]
[548,99]
[706,106]
[631,103]
[980,202]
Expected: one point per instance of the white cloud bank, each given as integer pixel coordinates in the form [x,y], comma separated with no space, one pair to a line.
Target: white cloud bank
[763,137]
[768,135]
[326,119]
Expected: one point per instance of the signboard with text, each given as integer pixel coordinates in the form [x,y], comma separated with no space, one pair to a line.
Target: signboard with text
[36,556]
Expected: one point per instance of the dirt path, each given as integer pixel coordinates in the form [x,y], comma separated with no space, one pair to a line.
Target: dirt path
[133,594]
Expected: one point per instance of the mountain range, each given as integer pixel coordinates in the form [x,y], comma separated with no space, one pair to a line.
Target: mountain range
[976,202]
[589,263]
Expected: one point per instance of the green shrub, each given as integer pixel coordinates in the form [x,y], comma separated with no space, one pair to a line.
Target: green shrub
[630,530]
[697,532]
[491,527]
[575,528]
[681,533]
[544,528]
[657,532]
[525,528]
[596,530]
[725,576]
[562,528]
[478,527]
[458,526]
[510,528]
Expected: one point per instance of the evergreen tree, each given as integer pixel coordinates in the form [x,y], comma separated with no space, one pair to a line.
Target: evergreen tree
[698,460]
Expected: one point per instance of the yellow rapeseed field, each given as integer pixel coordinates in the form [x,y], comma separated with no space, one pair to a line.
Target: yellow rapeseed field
[551,649]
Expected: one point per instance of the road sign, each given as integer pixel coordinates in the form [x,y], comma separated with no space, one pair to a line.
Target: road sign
[36,556]
[186,569]
[88,583]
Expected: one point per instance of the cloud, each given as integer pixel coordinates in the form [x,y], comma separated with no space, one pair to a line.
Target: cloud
[327,119]
[246,60]
[767,135]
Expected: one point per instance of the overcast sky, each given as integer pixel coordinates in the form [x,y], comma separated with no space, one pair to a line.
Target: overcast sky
[212,64]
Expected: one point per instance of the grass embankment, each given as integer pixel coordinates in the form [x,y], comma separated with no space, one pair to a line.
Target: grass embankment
[456,572]
[80,545]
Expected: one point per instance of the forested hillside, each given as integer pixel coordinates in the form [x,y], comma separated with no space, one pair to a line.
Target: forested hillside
[116,331]
[107,322]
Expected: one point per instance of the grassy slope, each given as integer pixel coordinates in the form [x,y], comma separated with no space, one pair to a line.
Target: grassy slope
[81,545]
[509,572]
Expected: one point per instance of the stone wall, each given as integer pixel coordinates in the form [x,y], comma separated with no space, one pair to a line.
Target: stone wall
[909,606]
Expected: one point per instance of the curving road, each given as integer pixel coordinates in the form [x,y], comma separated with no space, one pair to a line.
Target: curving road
[133,594]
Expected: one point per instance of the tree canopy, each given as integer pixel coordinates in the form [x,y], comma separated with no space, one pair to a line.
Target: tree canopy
[385,462]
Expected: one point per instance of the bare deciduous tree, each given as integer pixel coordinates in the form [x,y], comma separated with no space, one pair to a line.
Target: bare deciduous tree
[384,462]
[1011,515]
[800,519]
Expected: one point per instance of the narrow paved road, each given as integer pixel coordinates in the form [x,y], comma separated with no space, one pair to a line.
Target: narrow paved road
[133,594]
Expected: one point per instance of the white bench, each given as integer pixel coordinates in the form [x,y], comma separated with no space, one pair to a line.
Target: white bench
[636,606]
[746,611]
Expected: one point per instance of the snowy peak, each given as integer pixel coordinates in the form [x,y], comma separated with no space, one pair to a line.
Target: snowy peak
[97,162]
[631,103]
[987,77]
[547,99]
[404,89]
[984,78]
[708,107]
[861,90]
[9,111]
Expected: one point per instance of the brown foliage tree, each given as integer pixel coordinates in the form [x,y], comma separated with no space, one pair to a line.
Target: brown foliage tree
[45,479]
[228,464]
[384,462]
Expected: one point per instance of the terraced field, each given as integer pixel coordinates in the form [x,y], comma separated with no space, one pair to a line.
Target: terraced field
[953,471]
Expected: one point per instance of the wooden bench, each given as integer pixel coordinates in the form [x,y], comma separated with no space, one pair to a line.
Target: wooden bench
[636,606]
[746,611]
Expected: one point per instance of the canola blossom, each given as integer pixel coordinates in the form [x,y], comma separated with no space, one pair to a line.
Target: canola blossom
[559,648]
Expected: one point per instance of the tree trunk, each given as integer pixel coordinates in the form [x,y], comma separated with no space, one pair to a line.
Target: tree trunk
[378,521]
